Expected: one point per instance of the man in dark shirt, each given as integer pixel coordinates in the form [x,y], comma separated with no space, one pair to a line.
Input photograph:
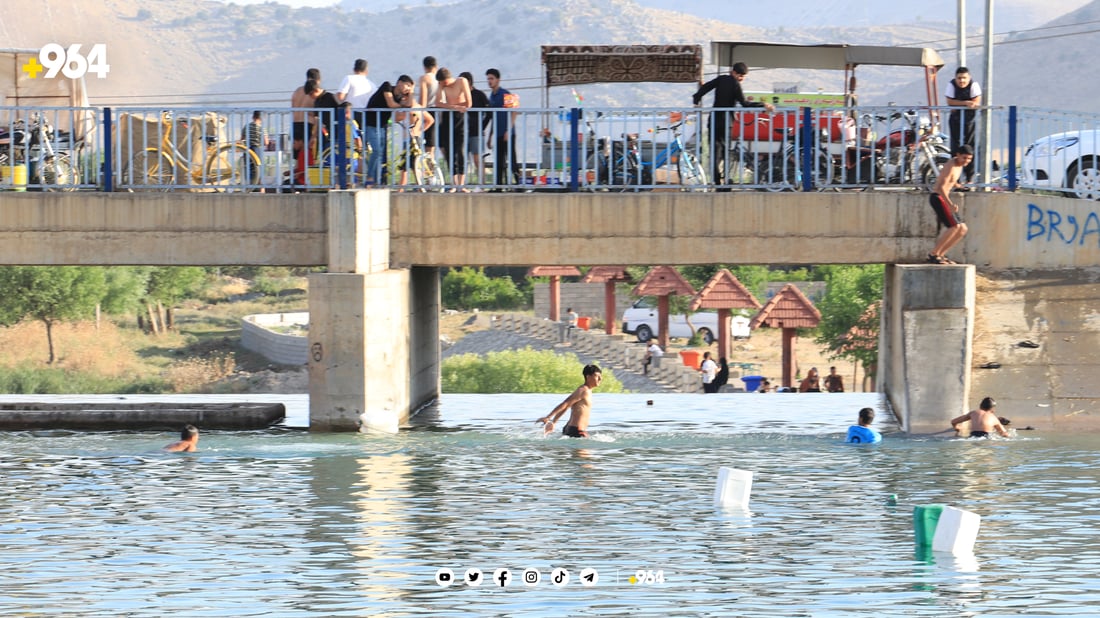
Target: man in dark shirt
[727,93]
[386,98]
[327,100]
[476,121]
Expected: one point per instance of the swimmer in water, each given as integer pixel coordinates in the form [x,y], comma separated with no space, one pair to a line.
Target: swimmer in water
[188,442]
[983,421]
[580,402]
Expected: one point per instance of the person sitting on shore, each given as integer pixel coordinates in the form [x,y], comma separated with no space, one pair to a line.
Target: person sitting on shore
[188,442]
[862,433]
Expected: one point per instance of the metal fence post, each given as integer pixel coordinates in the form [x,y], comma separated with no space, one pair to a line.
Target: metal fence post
[1012,179]
[574,150]
[108,157]
[807,149]
[341,148]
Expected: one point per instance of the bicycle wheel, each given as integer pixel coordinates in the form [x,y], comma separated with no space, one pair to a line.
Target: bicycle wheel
[428,174]
[228,169]
[149,170]
[692,176]
[57,174]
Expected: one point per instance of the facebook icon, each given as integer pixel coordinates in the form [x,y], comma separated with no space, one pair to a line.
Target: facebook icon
[502,577]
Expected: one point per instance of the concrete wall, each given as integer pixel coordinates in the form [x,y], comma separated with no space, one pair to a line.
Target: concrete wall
[1006,230]
[925,343]
[585,298]
[285,349]
[425,359]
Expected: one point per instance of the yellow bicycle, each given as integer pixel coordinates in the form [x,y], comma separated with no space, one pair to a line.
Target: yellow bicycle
[226,166]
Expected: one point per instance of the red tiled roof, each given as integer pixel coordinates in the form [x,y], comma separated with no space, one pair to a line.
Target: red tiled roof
[551,271]
[724,291]
[662,281]
[603,274]
[788,309]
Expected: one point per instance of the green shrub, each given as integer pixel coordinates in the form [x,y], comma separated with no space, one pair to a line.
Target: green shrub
[519,371]
[470,288]
[25,380]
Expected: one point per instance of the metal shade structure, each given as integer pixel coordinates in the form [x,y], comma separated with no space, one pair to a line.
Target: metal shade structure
[835,57]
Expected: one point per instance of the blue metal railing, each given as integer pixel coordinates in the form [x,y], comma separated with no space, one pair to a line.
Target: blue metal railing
[575,149]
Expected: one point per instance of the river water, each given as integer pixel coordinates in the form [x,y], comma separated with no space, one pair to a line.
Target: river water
[283,522]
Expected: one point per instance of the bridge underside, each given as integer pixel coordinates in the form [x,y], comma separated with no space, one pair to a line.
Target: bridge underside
[390,245]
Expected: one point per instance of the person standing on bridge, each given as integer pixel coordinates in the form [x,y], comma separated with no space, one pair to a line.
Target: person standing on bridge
[727,93]
[947,212]
[965,96]
[581,404]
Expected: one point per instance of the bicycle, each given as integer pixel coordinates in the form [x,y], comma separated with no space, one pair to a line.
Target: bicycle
[426,171]
[225,166]
[620,165]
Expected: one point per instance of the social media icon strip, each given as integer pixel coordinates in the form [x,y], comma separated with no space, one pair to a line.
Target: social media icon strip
[444,577]
[473,577]
[502,577]
[531,577]
[589,577]
[559,577]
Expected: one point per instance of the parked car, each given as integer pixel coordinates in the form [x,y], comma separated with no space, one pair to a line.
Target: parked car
[640,320]
[1068,162]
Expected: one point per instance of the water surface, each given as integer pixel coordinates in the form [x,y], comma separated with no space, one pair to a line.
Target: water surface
[288,523]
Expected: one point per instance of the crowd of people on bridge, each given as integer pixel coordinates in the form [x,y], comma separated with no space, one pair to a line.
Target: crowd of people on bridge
[440,107]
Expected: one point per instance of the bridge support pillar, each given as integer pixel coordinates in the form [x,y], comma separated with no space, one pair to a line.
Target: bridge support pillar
[374,330]
[925,344]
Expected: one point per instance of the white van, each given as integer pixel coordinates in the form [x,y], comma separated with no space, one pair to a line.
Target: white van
[640,320]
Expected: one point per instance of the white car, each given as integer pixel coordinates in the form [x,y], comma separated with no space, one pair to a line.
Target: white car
[1068,162]
[640,320]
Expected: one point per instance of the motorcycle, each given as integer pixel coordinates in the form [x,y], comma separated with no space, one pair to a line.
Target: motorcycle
[33,146]
[911,154]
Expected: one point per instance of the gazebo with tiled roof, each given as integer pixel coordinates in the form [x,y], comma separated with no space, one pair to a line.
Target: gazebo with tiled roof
[790,310]
[555,273]
[724,292]
[662,282]
[609,276]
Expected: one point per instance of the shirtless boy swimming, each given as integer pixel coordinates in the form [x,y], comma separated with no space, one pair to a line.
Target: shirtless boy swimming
[983,421]
[580,402]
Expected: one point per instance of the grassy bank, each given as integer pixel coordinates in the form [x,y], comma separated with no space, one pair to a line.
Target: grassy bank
[201,354]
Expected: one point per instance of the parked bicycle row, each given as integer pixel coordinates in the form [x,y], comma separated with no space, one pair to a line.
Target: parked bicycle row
[579,149]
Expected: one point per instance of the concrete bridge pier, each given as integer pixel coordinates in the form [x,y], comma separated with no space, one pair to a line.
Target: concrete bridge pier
[926,343]
[374,330]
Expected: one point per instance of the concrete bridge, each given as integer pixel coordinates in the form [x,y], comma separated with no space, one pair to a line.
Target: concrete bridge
[374,315]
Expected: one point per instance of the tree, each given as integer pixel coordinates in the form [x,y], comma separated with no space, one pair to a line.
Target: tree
[50,294]
[849,325]
[167,287]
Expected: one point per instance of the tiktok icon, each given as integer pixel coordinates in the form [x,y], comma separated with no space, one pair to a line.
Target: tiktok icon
[559,577]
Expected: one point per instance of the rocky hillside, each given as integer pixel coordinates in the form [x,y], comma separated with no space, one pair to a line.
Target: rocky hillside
[179,51]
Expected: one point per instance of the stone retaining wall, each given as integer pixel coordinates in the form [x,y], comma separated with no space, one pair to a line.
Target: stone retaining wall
[257,336]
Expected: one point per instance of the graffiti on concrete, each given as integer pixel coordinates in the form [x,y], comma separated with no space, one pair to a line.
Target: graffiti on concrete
[1053,226]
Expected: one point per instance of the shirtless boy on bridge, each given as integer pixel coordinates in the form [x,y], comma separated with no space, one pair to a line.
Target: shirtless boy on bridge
[983,421]
[581,403]
[947,211]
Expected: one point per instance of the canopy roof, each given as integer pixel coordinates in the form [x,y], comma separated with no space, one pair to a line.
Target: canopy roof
[570,65]
[825,56]
[724,291]
[603,274]
[553,271]
[663,281]
[788,309]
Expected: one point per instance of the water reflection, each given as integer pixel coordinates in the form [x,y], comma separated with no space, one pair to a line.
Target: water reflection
[298,524]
